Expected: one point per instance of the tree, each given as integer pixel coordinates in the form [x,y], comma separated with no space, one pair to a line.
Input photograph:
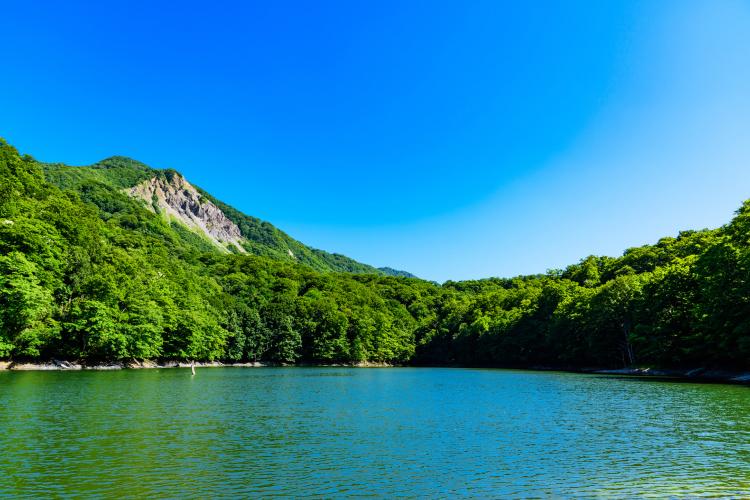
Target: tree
[26,308]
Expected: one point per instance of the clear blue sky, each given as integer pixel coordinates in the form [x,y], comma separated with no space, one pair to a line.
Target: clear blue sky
[451,139]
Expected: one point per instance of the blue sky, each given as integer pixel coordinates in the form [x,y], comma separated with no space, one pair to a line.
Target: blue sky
[452,139]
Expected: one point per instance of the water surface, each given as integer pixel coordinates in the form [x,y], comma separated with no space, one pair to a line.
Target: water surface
[414,432]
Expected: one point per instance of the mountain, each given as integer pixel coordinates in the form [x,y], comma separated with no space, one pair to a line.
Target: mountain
[169,194]
[119,261]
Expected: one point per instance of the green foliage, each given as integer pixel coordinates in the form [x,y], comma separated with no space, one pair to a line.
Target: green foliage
[26,308]
[88,273]
[268,241]
[389,271]
[117,171]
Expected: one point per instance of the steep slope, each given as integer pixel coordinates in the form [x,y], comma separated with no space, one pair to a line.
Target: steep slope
[168,193]
[176,199]
[264,239]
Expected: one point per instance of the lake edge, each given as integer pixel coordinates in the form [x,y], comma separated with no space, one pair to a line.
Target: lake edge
[698,375]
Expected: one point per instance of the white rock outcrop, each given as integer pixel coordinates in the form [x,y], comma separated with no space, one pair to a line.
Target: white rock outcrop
[177,199]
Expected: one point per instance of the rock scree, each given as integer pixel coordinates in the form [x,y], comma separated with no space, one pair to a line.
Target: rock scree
[178,200]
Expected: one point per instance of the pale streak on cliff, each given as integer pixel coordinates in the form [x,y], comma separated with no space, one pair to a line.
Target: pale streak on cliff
[176,198]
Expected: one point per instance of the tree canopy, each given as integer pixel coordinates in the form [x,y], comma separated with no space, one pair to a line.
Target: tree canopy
[88,273]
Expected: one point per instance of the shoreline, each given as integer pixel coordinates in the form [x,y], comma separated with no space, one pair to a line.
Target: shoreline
[699,375]
[62,365]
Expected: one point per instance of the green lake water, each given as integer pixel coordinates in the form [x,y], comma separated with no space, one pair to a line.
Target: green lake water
[336,432]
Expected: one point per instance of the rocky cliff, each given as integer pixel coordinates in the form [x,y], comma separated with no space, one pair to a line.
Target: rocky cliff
[174,197]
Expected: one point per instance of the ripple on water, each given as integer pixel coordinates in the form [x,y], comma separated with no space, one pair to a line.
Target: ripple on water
[338,432]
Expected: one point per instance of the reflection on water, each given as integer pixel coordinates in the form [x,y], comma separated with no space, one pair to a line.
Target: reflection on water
[385,432]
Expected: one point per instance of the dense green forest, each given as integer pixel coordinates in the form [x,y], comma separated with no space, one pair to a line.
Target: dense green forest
[88,273]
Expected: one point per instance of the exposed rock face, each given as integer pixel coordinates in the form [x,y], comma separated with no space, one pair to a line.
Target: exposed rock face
[179,200]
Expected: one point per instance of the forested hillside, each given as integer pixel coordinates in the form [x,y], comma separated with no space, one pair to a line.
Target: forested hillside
[91,274]
[261,238]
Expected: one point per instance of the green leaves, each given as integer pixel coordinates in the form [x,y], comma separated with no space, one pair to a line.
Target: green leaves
[26,309]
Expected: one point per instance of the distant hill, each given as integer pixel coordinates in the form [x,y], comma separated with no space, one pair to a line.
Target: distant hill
[389,271]
[167,192]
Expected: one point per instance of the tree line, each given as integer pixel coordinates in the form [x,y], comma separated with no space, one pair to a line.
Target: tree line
[88,273]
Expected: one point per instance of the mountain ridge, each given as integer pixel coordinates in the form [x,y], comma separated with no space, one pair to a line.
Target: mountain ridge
[258,237]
